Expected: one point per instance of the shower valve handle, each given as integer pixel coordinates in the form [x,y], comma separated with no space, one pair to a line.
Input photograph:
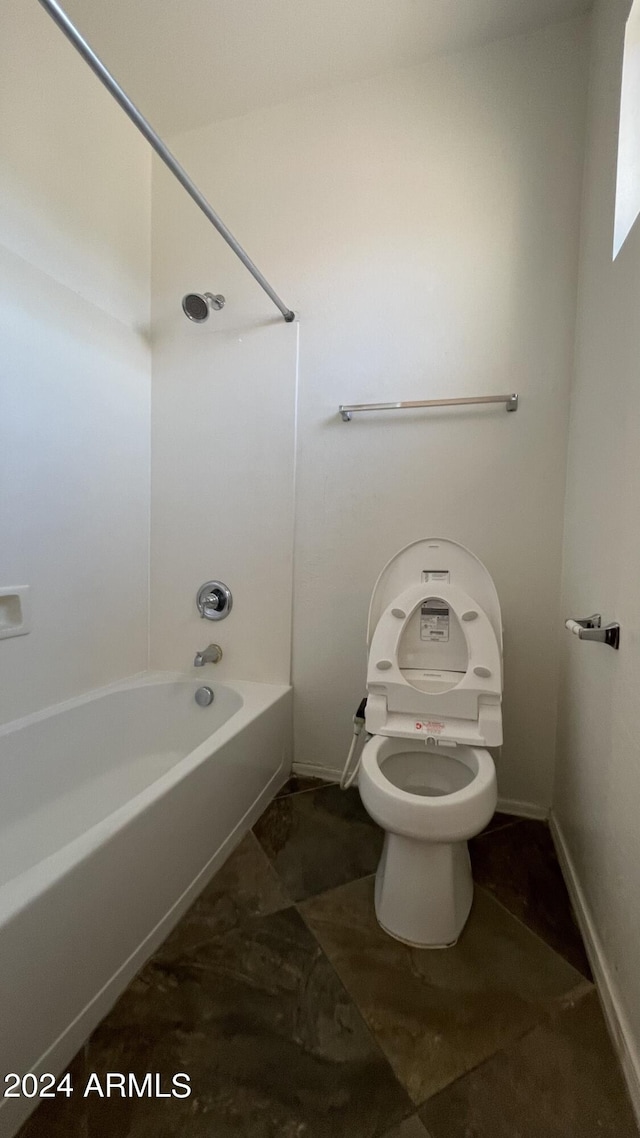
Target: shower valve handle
[214,600]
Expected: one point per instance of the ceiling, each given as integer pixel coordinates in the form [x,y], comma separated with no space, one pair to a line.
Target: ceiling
[187,62]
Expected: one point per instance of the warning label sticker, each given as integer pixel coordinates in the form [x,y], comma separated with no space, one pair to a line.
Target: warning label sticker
[434,621]
[431,727]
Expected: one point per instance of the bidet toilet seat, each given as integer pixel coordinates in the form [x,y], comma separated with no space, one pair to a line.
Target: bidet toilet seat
[462,803]
[463,706]
[434,691]
[483,674]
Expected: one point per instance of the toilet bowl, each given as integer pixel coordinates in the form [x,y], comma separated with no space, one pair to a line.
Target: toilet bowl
[429,800]
[434,705]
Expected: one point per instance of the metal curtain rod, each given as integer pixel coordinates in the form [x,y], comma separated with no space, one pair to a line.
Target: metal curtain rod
[97,66]
[347,409]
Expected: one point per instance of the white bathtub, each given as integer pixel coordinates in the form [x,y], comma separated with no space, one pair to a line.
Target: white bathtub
[115,811]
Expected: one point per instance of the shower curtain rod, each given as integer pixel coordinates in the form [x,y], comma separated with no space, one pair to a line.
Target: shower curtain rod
[60,17]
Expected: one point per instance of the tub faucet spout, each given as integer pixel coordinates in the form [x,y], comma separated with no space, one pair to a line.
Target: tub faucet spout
[210,655]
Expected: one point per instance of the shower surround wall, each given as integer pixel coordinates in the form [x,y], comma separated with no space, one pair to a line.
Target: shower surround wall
[223,432]
[425,226]
[75,391]
[598,766]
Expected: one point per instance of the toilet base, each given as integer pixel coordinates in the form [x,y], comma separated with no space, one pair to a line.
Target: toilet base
[424,890]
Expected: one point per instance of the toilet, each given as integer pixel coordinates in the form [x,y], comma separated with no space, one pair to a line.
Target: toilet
[434,705]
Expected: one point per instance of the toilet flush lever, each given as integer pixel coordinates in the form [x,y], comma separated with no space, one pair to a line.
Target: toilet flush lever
[590,628]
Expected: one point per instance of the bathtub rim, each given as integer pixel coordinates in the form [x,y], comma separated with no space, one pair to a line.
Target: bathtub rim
[19,892]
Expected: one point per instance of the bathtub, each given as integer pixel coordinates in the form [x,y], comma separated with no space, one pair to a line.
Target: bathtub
[115,811]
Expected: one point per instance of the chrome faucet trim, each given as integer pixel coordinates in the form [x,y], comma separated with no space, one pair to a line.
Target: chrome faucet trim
[210,655]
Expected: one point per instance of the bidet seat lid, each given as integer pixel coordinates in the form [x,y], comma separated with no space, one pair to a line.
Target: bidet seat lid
[432,560]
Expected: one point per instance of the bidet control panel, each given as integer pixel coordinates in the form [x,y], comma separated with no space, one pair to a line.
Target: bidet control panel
[434,614]
[434,621]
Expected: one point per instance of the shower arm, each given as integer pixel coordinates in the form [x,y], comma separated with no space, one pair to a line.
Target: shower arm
[59,16]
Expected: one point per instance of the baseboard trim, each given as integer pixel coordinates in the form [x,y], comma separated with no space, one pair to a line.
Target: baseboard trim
[523,809]
[506,805]
[314,770]
[615,1016]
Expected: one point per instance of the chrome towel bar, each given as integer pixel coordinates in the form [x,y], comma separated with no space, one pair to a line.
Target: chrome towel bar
[347,409]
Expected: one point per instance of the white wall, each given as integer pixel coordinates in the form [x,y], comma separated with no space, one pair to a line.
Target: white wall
[425,227]
[223,435]
[75,369]
[598,780]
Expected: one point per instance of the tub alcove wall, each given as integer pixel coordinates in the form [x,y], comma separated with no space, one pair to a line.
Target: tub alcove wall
[75,233]
[222,452]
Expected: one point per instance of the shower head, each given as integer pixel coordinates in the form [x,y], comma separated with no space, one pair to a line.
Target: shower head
[198,305]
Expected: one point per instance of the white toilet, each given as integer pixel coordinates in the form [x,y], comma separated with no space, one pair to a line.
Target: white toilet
[434,683]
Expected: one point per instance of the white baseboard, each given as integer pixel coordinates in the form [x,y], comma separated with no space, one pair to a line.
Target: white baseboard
[506,805]
[523,809]
[314,770]
[614,1013]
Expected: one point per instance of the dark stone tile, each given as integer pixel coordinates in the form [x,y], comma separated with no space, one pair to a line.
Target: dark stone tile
[410,1128]
[518,864]
[245,887]
[320,840]
[61,1117]
[298,784]
[272,1042]
[438,1013]
[559,1081]
[498,822]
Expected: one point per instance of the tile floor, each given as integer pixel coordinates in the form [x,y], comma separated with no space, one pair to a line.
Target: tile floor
[297,1017]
